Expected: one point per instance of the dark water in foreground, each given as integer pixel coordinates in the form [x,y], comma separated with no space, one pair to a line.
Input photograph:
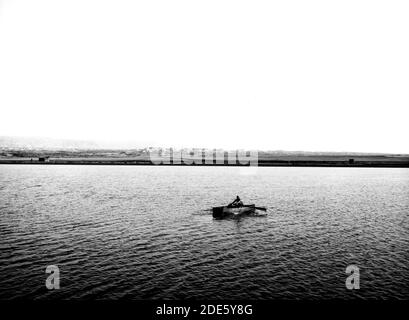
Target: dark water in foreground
[143,232]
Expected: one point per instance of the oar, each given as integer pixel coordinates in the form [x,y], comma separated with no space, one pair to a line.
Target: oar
[258,208]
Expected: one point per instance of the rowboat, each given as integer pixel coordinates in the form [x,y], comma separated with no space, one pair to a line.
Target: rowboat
[226,211]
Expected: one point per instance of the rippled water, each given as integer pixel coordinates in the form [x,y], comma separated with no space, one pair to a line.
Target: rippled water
[144,232]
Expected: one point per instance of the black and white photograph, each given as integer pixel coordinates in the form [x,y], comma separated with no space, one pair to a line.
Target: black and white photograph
[203,159]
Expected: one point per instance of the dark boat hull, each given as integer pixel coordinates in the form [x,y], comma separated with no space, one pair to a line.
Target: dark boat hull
[225,211]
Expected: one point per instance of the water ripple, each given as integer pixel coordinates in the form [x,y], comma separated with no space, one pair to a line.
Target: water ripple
[147,233]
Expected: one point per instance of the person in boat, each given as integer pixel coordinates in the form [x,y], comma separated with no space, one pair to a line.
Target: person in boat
[236,203]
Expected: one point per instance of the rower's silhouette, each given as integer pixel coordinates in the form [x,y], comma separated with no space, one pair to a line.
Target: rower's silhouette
[236,203]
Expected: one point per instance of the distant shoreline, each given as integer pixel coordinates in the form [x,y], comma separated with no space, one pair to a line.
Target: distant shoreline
[368,163]
[143,157]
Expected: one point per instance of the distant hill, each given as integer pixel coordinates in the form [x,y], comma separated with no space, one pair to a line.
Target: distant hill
[69,145]
[44,143]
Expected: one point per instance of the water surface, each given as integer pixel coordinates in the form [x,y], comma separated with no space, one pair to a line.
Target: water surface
[144,233]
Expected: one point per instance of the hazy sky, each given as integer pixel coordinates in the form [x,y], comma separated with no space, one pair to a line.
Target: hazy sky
[293,75]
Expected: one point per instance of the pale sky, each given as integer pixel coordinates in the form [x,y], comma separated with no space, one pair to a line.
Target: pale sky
[290,75]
